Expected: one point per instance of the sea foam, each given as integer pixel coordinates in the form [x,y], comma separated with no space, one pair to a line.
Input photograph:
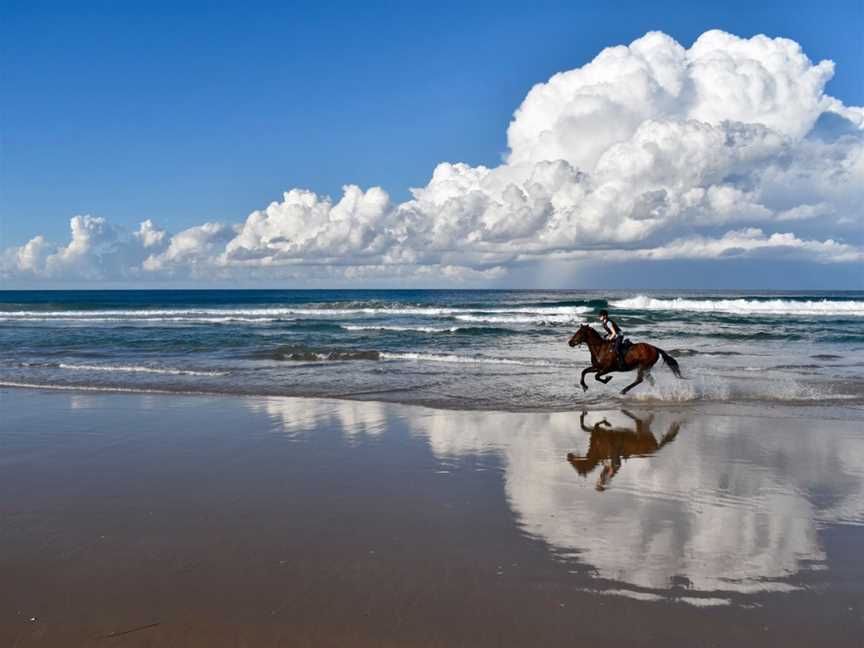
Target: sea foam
[140,369]
[199,313]
[744,306]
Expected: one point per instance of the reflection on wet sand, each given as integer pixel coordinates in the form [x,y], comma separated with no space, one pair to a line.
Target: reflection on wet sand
[735,506]
[299,416]
[610,446]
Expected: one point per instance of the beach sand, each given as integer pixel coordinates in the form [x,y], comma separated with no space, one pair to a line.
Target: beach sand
[157,520]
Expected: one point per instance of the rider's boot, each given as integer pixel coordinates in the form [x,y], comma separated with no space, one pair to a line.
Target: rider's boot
[619,351]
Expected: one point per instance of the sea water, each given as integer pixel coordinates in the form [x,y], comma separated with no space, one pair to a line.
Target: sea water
[466,349]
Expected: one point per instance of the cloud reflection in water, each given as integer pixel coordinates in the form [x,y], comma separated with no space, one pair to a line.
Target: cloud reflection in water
[734,505]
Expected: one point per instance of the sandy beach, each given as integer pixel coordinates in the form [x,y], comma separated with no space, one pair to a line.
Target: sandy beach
[432,325]
[155,520]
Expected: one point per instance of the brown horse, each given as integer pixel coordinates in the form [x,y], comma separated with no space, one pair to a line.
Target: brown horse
[604,360]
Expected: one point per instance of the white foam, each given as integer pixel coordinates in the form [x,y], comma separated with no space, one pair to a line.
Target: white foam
[452,358]
[703,601]
[711,387]
[639,596]
[670,389]
[416,329]
[145,320]
[745,306]
[239,314]
[93,388]
[520,319]
[140,369]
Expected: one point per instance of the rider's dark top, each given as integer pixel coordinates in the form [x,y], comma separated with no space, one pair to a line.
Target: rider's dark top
[611,327]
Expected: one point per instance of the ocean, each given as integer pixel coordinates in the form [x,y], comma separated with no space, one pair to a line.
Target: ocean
[460,349]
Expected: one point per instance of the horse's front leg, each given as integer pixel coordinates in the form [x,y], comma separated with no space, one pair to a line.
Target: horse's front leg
[599,377]
[586,371]
[638,380]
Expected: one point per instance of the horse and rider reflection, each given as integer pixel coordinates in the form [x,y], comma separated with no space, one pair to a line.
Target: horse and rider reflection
[610,446]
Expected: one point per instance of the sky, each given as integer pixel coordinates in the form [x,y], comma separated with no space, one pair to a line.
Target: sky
[686,159]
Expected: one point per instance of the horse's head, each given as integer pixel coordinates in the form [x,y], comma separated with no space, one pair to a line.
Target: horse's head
[579,336]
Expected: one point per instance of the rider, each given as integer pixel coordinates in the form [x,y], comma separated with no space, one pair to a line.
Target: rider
[614,334]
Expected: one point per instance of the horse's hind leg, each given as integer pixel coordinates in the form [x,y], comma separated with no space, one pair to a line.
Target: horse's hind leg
[638,380]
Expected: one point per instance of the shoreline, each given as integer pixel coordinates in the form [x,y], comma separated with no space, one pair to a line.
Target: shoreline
[846,402]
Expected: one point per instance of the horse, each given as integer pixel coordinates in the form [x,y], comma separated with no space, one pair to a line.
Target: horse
[604,360]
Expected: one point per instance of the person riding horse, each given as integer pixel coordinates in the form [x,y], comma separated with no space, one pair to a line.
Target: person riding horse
[607,358]
[614,335]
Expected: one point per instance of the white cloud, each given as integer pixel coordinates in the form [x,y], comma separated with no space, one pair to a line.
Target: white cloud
[651,150]
[150,235]
[752,242]
[191,248]
[306,226]
[31,256]
[91,240]
[96,250]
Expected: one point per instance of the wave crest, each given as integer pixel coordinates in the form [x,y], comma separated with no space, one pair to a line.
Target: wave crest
[140,369]
[279,312]
[453,358]
[742,306]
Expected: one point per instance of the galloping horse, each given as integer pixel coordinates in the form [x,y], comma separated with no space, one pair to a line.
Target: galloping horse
[604,360]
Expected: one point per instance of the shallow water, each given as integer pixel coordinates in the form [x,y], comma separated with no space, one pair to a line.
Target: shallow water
[461,349]
[259,518]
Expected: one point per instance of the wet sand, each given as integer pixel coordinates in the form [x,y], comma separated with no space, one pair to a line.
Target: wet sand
[153,520]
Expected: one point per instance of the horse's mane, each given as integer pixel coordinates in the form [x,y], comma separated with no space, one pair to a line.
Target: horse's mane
[594,331]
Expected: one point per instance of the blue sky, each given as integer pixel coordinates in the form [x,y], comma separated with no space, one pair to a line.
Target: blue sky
[208,111]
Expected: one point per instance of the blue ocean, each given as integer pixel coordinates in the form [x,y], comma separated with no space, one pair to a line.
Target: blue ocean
[465,349]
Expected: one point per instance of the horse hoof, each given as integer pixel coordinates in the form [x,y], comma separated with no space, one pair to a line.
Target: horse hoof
[623,392]
[584,388]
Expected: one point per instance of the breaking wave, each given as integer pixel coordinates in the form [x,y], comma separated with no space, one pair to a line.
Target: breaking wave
[459,359]
[541,319]
[399,329]
[463,330]
[304,354]
[140,369]
[745,306]
[252,314]
[299,353]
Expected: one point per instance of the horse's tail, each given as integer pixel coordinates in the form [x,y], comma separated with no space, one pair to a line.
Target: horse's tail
[672,362]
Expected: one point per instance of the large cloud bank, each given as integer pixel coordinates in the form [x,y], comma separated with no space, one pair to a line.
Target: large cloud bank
[651,151]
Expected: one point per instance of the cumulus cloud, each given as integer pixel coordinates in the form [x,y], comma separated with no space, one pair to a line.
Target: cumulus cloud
[150,235]
[96,250]
[191,248]
[306,226]
[650,151]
